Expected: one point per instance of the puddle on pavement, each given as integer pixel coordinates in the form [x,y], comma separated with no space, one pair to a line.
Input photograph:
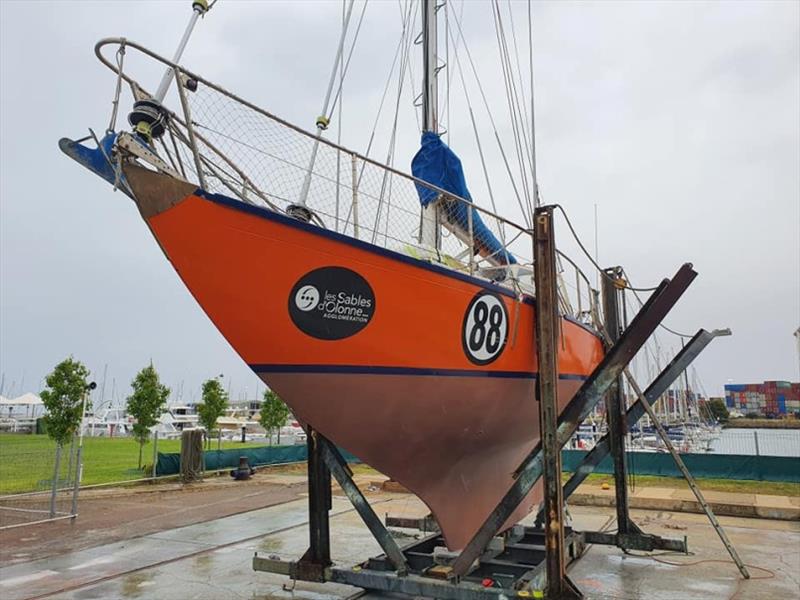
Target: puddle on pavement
[271,544]
[135,585]
[203,564]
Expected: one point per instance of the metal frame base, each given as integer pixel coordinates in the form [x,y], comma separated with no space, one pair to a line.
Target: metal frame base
[513,562]
[636,541]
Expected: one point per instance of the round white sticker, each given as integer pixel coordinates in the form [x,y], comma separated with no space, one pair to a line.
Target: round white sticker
[306,298]
[485,328]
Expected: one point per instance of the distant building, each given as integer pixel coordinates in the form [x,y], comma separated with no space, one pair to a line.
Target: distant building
[769,399]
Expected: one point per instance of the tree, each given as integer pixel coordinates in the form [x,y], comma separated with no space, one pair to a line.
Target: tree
[718,409]
[146,404]
[63,399]
[273,413]
[215,401]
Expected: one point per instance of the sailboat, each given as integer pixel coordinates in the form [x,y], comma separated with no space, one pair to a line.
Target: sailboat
[391,313]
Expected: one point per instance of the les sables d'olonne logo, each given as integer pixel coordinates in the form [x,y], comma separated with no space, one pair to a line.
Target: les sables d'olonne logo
[331,303]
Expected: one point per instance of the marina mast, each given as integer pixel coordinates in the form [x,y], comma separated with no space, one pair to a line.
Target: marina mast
[429,227]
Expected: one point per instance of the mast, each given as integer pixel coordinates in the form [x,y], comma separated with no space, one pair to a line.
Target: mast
[429,228]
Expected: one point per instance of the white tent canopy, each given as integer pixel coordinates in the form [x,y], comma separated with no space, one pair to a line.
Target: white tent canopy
[29,399]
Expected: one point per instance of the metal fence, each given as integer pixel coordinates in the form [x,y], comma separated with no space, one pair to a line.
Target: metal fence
[701,440]
[758,442]
[39,482]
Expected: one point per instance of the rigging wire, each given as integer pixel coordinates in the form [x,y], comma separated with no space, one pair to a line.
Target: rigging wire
[349,54]
[390,151]
[403,51]
[446,64]
[450,71]
[536,200]
[513,104]
[479,145]
[339,131]
[641,303]
[589,256]
[603,273]
[519,72]
[397,54]
[491,120]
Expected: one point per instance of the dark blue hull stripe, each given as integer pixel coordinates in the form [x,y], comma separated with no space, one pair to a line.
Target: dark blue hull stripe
[372,370]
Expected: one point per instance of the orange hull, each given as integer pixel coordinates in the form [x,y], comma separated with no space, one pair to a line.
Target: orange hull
[423,372]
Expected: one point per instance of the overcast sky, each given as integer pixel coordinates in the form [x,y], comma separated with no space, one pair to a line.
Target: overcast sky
[680,120]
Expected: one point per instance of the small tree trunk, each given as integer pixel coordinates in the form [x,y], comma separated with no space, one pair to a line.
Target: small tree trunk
[279,436]
[141,445]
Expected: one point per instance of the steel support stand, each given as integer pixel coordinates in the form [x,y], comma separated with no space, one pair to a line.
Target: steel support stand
[317,558]
[547,334]
[615,401]
[688,476]
[592,391]
[344,477]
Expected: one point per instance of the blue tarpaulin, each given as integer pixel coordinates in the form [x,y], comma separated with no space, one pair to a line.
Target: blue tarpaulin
[438,165]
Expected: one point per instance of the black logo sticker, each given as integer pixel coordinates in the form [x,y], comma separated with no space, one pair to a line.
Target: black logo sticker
[331,303]
[485,328]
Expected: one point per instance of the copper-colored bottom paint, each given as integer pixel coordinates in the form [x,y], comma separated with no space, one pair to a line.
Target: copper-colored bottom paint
[453,441]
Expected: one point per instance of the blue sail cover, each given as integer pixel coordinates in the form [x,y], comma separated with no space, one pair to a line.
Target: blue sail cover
[438,165]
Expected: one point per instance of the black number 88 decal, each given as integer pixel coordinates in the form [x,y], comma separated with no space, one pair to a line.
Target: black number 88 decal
[485,328]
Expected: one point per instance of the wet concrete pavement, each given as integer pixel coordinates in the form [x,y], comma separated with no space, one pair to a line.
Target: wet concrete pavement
[212,560]
[108,515]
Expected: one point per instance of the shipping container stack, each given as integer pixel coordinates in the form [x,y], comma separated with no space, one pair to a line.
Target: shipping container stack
[770,399]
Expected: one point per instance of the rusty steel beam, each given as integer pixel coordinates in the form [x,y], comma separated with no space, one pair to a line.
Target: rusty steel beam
[688,477]
[611,288]
[317,558]
[547,332]
[338,467]
[609,369]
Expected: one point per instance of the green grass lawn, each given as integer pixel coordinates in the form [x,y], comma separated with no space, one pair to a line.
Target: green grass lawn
[26,461]
[743,486]
[26,464]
